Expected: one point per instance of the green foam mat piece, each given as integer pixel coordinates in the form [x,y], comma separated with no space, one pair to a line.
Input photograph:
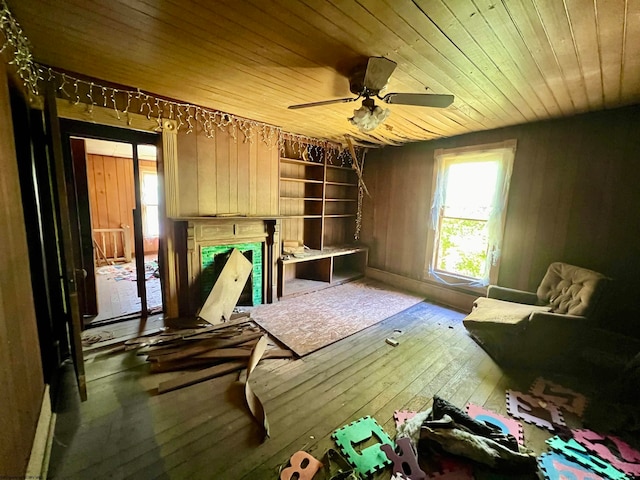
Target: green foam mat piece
[368,460]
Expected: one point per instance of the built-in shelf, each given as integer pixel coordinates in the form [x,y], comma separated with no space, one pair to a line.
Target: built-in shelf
[317,269]
[342,184]
[301,180]
[318,207]
[306,199]
[304,163]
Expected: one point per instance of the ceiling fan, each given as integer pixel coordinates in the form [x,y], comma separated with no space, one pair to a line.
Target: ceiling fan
[366,82]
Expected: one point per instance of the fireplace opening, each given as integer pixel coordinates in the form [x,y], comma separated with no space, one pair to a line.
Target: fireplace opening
[220,260]
[215,257]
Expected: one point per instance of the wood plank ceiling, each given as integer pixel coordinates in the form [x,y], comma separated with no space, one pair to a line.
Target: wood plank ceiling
[506,61]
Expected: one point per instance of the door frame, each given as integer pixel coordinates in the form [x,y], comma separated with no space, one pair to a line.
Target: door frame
[57,109]
[73,128]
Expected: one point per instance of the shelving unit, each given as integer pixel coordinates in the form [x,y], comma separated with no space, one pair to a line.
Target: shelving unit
[318,204]
[319,269]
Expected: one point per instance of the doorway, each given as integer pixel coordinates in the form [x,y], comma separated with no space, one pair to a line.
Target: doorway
[116,196]
[110,182]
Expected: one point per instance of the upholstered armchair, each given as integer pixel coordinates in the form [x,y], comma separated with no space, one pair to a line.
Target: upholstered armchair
[544,327]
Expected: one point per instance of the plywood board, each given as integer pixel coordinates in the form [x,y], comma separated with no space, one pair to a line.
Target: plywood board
[225,293]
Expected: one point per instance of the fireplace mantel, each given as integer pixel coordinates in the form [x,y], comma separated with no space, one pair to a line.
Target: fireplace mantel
[201,232]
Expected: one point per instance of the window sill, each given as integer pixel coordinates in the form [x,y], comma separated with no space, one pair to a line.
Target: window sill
[452,279]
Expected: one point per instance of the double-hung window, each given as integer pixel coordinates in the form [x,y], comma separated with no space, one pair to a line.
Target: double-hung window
[150,211]
[467,213]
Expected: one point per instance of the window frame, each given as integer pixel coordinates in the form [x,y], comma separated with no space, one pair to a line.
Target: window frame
[442,159]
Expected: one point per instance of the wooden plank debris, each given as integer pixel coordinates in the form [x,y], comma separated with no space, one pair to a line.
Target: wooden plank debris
[253,402]
[202,346]
[204,361]
[201,375]
[215,349]
[228,343]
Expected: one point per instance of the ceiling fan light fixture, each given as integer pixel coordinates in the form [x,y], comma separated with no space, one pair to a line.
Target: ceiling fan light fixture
[368,117]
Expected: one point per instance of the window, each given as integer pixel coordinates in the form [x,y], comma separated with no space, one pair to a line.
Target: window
[467,213]
[150,204]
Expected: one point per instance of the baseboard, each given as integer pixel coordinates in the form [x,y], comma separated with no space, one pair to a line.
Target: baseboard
[43,440]
[446,296]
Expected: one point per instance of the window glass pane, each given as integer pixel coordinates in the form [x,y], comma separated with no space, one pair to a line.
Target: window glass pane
[462,248]
[152,228]
[149,188]
[470,189]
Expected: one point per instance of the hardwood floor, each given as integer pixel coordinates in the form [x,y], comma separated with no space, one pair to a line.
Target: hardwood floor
[126,430]
[116,290]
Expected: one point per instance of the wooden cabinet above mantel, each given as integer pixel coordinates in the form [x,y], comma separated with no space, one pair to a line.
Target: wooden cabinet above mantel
[223,175]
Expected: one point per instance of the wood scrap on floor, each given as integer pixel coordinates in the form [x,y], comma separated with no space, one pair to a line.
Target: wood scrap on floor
[253,402]
[215,350]
[216,343]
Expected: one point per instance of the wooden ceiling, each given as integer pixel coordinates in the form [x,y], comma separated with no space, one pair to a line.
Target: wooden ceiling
[506,61]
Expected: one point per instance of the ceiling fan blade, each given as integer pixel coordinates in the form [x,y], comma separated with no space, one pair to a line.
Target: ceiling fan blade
[379,69]
[419,99]
[324,102]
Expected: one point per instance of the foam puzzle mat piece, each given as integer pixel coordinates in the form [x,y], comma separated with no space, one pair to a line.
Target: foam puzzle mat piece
[337,467]
[297,470]
[534,410]
[401,416]
[505,424]
[452,468]
[452,475]
[370,459]
[576,452]
[560,396]
[611,449]
[406,461]
[558,467]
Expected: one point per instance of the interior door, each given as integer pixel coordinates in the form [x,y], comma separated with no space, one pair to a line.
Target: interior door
[87,295]
[139,237]
[69,237]
[72,128]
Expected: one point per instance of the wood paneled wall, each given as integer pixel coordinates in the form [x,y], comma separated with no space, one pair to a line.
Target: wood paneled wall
[21,377]
[112,195]
[574,197]
[221,175]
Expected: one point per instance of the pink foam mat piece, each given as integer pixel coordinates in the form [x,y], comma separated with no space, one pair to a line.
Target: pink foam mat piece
[611,449]
[555,466]
[296,470]
[401,416]
[505,424]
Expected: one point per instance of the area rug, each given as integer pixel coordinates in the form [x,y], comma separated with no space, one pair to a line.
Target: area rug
[309,322]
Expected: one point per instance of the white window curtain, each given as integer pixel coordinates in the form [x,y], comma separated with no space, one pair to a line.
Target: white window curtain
[503,154]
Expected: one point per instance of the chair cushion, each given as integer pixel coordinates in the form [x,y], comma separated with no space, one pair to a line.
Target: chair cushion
[490,310]
[570,289]
[498,325]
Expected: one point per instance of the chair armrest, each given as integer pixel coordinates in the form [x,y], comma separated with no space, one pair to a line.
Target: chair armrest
[548,318]
[512,295]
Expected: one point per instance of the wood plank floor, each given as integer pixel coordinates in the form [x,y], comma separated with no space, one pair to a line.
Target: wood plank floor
[117,293]
[126,430]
